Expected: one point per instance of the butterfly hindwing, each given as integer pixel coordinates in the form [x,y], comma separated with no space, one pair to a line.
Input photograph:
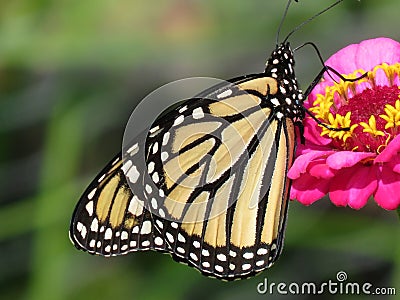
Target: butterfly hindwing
[111,218]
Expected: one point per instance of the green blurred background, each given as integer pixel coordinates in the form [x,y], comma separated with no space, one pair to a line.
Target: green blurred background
[72,71]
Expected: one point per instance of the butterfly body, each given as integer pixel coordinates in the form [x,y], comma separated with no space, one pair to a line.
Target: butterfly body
[207,183]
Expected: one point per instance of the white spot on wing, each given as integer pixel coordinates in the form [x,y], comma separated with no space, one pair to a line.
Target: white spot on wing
[133,150]
[174,225]
[108,234]
[164,156]
[224,94]
[248,255]
[133,174]
[182,109]
[160,224]
[154,203]
[221,257]
[275,102]
[101,178]
[198,113]
[154,129]
[158,241]
[89,208]
[135,206]
[155,177]
[126,166]
[95,225]
[262,251]
[124,235]
[170,237]
[259,263]
[148,189]
[150,167]
[82,229]
[181,238]
[165,138]
[178,120]
[218,268]
[91,194]
[155,148]
[146,227]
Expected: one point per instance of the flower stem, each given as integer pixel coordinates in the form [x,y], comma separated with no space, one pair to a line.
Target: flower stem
[398,211]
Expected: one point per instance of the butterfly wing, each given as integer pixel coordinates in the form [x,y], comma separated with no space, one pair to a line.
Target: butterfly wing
[219,189]
[111,218]
[213,191]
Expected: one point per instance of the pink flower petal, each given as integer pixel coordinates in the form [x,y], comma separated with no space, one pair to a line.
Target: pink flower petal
[387,194]
[301,163]
[343,61]
[308,189]
[365,55]
[320,170]
[319,89]
[353,186]
[396,168]
[394,164]
[345,159]
[312,133]
[390,151]
[377,51]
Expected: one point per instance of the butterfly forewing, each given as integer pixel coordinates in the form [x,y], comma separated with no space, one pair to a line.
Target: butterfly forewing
[212,188]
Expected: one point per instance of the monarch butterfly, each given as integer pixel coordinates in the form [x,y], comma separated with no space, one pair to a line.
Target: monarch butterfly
[213,190]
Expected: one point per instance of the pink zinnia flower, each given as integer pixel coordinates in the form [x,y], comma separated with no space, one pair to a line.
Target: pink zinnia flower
[354,165]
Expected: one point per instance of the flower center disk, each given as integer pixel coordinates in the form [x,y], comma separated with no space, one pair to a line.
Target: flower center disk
[371,112]
[370,102]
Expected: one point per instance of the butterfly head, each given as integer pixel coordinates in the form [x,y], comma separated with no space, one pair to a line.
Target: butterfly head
[281,62]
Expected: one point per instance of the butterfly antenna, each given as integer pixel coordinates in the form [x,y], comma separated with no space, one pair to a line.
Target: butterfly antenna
[310,19]
[282,20]
[329,69]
